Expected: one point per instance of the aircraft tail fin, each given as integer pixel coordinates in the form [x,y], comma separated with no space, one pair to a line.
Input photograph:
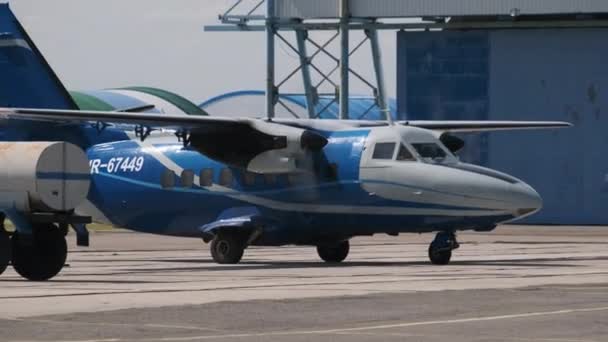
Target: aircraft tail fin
[27,79]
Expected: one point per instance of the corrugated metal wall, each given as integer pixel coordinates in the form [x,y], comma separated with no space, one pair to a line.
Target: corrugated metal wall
[552,74]
[418,8]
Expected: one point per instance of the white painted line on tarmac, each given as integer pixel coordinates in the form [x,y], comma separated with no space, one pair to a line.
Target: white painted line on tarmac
[365,328]
[464,320]
[104,324]
[497,338]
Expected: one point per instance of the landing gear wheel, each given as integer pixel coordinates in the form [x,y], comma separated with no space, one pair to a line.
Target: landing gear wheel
[440,250]
[439,256]
[5,250]
[40,256]
[227,248]
[334,253]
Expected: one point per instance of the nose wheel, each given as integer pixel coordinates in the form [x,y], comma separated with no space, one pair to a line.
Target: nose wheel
[335,252]
[440,250]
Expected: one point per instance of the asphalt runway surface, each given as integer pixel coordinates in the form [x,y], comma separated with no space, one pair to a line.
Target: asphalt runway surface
[519,283]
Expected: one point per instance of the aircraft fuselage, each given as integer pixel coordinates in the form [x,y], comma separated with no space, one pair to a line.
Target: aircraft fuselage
[159,186]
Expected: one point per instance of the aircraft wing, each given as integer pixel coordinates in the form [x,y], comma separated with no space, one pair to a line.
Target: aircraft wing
[443,126]
[144,119]
[212,123]
[484,126]
[258,145]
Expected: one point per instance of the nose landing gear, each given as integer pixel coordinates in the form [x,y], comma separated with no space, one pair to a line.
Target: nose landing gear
[440,250]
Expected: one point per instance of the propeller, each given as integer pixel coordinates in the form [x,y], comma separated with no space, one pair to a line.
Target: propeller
[453,143]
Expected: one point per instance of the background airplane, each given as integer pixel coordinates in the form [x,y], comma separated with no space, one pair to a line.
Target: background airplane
[232,182]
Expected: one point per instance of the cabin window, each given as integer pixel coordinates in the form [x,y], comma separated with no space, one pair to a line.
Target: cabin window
[405,154]
[249,178]
[301,179]
[270,179]
[187,178]
[384,151]
[294,179]
[332,172]
[167,179]
[430,151]
[206,177]
[226,177]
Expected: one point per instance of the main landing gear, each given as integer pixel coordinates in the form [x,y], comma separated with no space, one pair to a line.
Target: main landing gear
[228,247]
[440,250]
[41,255]
[335,252]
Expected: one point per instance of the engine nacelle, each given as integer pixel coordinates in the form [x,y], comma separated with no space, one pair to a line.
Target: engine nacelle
[296,142]
[259,146]
[42,176]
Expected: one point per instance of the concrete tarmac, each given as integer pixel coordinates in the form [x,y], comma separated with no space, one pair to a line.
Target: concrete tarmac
[519,283]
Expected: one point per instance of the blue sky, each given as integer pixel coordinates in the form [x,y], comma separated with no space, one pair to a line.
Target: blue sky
[95,44]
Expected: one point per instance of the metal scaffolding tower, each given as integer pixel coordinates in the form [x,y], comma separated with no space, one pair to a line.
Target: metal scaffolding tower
[246,15]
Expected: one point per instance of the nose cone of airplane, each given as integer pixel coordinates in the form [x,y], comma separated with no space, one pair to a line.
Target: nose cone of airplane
[528,201]
[502,192]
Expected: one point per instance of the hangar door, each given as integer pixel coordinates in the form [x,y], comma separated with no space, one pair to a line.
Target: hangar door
[544,74]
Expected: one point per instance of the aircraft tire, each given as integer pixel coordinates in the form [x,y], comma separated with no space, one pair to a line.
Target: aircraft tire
[227,248]
[5,250]
[439,256]
[334,253]
[42,255]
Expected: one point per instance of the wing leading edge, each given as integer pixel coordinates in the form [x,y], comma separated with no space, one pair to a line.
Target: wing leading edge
[484,126]
[211,123]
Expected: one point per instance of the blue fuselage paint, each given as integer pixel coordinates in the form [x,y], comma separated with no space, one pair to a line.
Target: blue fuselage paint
[127,188]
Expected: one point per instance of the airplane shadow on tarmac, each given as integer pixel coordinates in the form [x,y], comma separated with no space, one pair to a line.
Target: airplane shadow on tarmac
[271,265]
[210,266]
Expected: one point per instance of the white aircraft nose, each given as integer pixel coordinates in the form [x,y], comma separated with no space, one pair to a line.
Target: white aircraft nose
[527,199]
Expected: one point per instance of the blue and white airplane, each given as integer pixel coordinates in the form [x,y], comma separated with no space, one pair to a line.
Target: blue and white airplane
[235,182]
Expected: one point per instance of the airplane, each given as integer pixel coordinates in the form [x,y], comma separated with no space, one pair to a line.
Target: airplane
[239,182]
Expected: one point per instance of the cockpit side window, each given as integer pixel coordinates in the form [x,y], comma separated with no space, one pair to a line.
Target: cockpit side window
[384,151]
[405,154]
[430,151]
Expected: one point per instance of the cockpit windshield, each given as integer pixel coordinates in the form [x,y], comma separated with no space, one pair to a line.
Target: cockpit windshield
[405,154]
[430,151]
